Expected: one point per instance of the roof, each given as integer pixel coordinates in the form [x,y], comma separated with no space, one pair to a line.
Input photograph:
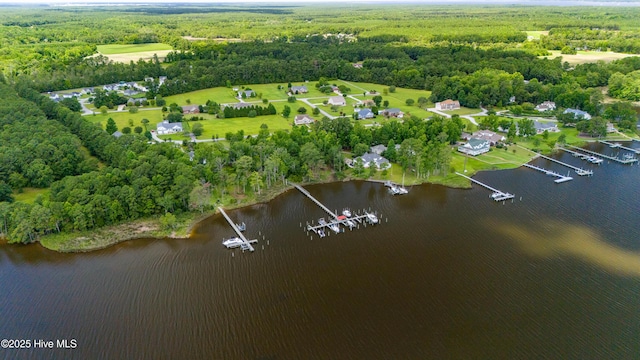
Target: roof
[577,112]
[393,111]
[117,134]
[476,144]
[334,99]
[378,149]
[303,119]
[375,158]
[365,112]
[299,88]
[449,101]
[487,135]
[544,125]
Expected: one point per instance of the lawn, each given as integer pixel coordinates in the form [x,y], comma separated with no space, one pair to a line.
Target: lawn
[221,95]
[251,126]
[464,111]
[587,56]
[122,118]
[535,35]
[29,195]
[131,48]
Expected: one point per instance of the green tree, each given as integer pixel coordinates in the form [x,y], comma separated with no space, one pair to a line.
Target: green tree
[315,111]
[286,111]
[410,102]
[111,126]
[126,130]
[302,110]
[168,221]
[197,129]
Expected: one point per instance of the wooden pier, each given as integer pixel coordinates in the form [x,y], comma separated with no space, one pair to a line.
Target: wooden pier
[578,170]
[497,194]
[302,190]
[617,145]
[560,178]
[590,158]
[625,160]
[342,220]
[246,244]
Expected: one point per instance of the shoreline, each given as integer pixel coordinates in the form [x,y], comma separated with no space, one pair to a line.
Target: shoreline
[98,239]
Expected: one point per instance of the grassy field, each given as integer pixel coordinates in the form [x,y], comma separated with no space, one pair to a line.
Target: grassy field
[28,195]
[131,48]
[122,118]
[587,56]
[535,35]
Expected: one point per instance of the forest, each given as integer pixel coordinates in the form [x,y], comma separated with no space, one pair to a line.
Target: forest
[95,179]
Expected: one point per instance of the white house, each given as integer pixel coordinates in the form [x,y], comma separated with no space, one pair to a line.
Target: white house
[166,127]
[337,100]
[303,119]
[475,147]
[546,106]
[393,112]
[378,149]
[545,126]
[365,114]
[448,105]
[299,89]
[578,114]
[376,160]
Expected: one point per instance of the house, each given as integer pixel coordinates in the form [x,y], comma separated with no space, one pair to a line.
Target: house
[378,149]
[55,97]
[545,126]
[546,106]
[87,91]
[191,109]
[299,89]
[368,103]
[242,105]
[365,114]
[610,128]
[376,160]
[578,114]
[111,87]
[357,65]
[139,87]
[130,92]
[337,100]
[162,79]
[393,112]
[247,93]
[512,100]
[166,127]
[492,137]
[475,147]
[448,105]
[133,101]
[303,119]
[117,134]
[148,79]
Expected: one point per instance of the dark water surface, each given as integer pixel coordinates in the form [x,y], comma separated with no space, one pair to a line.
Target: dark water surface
[451,275]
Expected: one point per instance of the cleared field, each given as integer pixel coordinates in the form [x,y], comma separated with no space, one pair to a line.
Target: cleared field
[588,56]
[122,118]
[220,95]
[535,34]
[464,111]
[28,195]
[131,48]
[251,126]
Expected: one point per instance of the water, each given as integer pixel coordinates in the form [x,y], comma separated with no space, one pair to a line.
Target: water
[452,275]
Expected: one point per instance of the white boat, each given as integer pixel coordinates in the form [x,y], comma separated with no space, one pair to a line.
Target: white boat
[233,243]
[346,212]
[334,227]
[350,223]
[372,218]
[322,221]
[321,233]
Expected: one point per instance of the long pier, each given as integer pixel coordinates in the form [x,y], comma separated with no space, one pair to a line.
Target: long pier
[246,244]
[578,170]
[560,178]
[497,194]
[625,160]
[302,190]
[590,158]
[616,145]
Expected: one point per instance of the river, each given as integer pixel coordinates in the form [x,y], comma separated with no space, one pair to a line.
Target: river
[449,274]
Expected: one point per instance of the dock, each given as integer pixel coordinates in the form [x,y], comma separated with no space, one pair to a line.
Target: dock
[560,178]
[305,192]
[578,170]
[244,244]
[626,159]
[497,194]
[395,189]
[619,146]
[590,158]
[335,223]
